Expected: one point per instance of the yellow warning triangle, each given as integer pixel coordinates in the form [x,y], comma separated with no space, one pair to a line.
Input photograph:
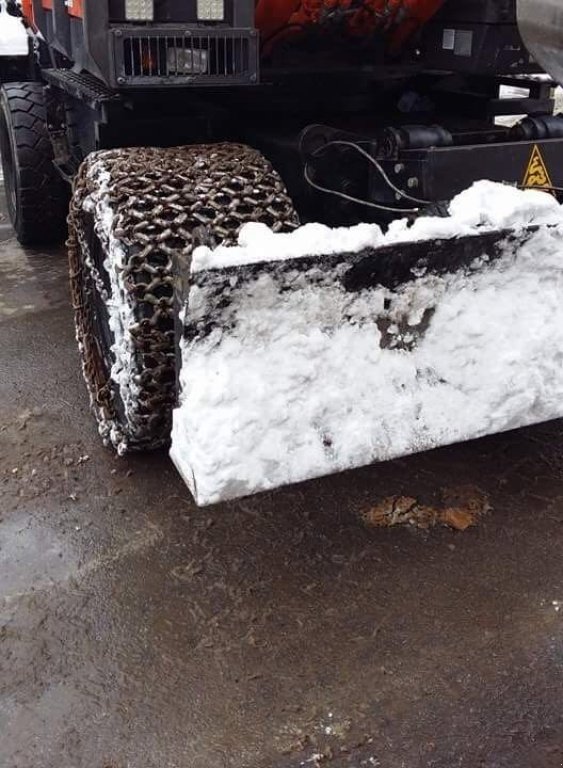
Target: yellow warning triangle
[537,174]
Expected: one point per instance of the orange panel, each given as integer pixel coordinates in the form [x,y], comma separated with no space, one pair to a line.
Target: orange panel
[75,8]
[27,10]
[47,4]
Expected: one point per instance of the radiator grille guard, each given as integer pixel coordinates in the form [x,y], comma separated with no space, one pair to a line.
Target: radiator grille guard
[149,56]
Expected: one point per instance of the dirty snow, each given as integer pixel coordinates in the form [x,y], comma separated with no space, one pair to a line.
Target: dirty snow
[304,384]
[13,34]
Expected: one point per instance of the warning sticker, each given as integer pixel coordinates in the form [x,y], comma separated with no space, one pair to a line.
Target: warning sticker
[537,174]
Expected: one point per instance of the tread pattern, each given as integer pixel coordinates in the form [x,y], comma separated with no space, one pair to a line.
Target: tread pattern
[135,213]
[41,194]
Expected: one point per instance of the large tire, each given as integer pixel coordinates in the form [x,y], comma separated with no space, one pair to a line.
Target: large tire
[36,195]
[133,214]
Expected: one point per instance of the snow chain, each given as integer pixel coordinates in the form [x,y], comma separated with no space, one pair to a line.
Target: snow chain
[161,204]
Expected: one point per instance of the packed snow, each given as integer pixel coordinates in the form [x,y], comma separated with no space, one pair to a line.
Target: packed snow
[317,379]
[486,206]
[14,39]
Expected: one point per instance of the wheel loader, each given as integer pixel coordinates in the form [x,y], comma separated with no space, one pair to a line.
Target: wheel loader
[302,235]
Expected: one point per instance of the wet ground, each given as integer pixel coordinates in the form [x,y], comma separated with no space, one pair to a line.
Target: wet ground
[137,631]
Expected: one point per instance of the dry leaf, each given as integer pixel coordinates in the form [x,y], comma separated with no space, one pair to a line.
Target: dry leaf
[462,506]
[400,510]
[467,497]
[460,519]
[389,511]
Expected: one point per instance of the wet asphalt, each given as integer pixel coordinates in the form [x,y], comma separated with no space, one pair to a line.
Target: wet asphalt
[137,631]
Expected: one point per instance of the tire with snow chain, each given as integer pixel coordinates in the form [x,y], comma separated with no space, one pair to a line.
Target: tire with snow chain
[133,214]
[36,195]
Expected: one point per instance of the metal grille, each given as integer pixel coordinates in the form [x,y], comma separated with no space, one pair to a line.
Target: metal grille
[186,58]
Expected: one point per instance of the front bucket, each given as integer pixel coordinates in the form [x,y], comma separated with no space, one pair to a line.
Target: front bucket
[362,347]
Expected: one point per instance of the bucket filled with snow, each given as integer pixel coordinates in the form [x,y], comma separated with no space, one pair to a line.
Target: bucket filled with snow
[309,353]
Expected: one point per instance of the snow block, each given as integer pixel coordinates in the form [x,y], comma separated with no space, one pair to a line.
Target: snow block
[294,368]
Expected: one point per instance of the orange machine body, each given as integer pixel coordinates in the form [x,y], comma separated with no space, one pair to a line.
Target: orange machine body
[27,9]
[398,19]
[74,8]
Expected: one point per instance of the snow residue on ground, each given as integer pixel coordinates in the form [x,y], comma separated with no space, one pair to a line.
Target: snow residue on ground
[316,379]
[13,35]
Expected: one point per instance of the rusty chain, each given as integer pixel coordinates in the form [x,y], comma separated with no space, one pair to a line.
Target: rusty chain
[161,204]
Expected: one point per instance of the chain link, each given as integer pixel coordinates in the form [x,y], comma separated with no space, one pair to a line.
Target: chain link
[164,202]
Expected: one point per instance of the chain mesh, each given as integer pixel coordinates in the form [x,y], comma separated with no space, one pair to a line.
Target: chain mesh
[163,203]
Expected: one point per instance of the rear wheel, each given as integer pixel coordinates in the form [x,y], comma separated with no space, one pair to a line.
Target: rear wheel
[133,214]
[36,196]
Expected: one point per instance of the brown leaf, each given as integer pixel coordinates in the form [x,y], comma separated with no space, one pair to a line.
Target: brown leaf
[389,511]
[459,519]
[401,510]
[424,517]
[468,497]
[462,506]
